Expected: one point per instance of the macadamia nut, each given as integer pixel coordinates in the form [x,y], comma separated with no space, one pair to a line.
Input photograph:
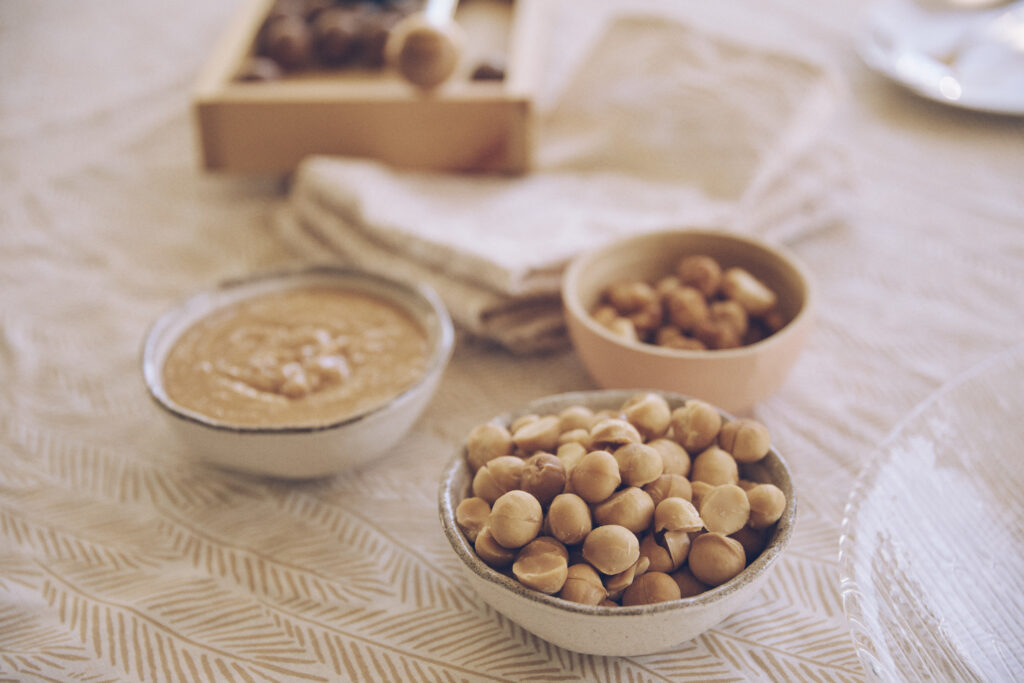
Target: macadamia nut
[695,425]
[515,519]
[611,548]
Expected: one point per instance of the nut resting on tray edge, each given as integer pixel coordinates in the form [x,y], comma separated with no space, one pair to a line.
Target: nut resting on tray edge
[633,506]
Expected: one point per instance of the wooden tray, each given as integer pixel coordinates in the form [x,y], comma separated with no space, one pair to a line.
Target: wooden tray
[269,127]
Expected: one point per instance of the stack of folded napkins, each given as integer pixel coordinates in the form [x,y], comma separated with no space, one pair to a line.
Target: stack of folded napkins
[645,121]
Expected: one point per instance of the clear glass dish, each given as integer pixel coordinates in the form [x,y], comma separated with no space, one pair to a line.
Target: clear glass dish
[932,544]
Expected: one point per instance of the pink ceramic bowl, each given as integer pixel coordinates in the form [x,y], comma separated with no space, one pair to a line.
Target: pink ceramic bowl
[734,379]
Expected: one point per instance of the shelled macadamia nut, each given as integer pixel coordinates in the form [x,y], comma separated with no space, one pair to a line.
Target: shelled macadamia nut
[767,502]
[674,458]
[677,514]
[612,432]
[701,272]
[740,285]
[639,464]
[630,507]
[543,476]
[649,413]
[715,466]
[695,425]
[611,548]
[714,558]
[596,476]
[688,583]
[515,519]
[471,515]
[651,588]
[747,440]
[686,308]
[491,552]
[699,490]
[669,486]
[725,509]
[667,551]
[487,442]
[754,541]
[583,585]
[569,518]
[497,477]
[539,435]
[542,565]
[575,417]
[617,583]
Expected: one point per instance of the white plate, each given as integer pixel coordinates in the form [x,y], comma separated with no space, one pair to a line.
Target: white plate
[932,549]
[967,58]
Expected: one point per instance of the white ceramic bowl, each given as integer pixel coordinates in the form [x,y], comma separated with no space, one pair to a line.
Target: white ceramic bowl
[300,452]
[733,379]
[612,631]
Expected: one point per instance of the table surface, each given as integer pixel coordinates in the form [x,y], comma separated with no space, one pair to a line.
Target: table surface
[120,560]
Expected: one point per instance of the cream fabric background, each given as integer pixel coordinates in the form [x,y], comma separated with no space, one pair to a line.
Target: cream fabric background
[121,561]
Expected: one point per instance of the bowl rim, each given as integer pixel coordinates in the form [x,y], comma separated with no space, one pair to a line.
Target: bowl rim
[152,369]
[460,544]
[573,306]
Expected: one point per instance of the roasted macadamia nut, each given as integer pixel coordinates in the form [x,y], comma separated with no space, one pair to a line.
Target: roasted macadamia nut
[701,272]
[596,476]
[714,558]
[674,458]
[569,518]
[542,565]
[498,476]
[611,548]
[767,502]
[725,509]
[471,515]
[677,514]
[630,507]
[686,308]
[617,583]
[665,552]
[543,476]
[487,442]
[747,440]
[575,417]
[650,588]
[669,486]
[583,585]
[539,435]
[612,432]
[649,413]
[639,464]
[695,425]
[515,519]
[493,554]
[715,466]
[740,286]
[688,583]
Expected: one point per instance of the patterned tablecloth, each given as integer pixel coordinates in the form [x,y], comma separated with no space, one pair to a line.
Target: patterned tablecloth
[119,560]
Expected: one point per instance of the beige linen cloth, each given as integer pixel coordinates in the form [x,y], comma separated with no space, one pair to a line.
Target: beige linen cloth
[645,122]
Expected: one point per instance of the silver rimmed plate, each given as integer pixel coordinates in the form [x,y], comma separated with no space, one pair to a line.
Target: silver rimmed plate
[968,58]
[932,547]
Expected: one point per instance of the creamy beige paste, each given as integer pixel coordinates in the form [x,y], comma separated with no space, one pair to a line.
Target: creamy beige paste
[297,358]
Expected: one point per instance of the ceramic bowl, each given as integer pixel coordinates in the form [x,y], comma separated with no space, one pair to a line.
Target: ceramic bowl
[733,379]
[612,631]
[300,452]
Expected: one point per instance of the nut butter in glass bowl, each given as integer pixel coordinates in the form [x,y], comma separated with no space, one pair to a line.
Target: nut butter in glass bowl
[298,374]
[605,629]
[734,379]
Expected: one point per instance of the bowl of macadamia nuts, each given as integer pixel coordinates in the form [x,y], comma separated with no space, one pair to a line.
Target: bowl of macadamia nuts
[617,522]
[705,313]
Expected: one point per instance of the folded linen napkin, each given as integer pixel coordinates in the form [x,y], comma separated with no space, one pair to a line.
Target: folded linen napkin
[649,123]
